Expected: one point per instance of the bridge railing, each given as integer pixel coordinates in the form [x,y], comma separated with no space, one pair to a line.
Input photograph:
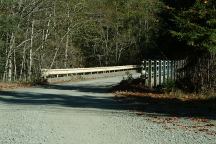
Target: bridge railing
[157,71]
[162,71]
[49,73]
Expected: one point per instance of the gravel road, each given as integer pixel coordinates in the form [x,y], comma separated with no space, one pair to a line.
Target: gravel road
[85,113]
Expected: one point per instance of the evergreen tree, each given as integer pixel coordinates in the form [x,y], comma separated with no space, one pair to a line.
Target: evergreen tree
[195,27]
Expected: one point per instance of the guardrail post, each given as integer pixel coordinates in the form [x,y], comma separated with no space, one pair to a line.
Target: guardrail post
[160,71]
[174,69]
[146,70]
[168,70]
[155,72]
[164,70]
[150,73]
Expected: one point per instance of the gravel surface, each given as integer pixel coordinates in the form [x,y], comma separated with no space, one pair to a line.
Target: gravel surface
[85,113]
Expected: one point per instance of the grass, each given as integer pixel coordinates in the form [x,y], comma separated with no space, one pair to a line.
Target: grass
[136,88]
[14,85]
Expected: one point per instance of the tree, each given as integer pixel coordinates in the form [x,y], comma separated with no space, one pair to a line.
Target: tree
[195,26]
[36,34]
[119,30]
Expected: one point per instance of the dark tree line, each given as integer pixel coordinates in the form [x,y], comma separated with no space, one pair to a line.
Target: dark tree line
[191,29]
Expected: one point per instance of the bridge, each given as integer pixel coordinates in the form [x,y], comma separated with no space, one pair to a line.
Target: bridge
[55,75]
[157,72]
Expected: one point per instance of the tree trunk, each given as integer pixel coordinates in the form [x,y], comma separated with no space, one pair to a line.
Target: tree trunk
[23,65]
[66,51]
[67,40]
[14,65]
[30,52]
[8,65]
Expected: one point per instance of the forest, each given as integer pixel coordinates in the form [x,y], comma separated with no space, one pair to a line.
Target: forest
[36,34]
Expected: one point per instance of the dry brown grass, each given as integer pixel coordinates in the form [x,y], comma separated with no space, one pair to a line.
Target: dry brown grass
[136,89]
[4,85]
[163,95]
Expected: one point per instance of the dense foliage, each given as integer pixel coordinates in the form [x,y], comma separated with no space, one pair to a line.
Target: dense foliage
[37,34]
[194,26]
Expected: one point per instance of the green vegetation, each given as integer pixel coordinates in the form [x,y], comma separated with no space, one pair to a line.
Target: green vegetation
[195,27]
[36,34]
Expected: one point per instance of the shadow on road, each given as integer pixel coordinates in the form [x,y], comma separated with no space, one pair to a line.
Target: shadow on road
[173,107]
[86,96]
[84,88]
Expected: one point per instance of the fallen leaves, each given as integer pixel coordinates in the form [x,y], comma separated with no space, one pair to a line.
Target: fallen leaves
[136,88]
[140,113]
[198,124]
[200,120]
[157,95]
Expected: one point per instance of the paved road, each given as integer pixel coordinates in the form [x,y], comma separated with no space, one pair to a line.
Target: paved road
[83,113]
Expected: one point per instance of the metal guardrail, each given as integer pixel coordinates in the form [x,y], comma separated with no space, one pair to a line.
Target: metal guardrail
[162,71]
[47,73]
